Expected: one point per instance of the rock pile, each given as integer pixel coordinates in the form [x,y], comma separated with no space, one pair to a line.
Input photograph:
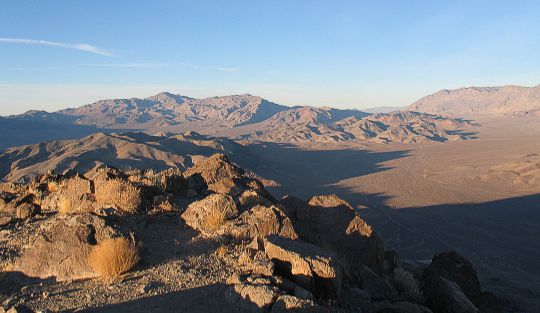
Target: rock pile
[297,256]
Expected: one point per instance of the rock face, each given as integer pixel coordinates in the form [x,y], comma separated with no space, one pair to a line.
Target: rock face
[259,222]
[308,265]
[451,284]
[210,213]
[60,249]
[331,222]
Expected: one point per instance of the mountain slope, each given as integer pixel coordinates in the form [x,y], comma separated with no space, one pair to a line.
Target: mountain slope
[501,101]
[314,125]
[166,109]
[134,150]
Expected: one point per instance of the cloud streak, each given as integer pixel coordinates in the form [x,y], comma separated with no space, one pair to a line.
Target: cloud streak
[77,46]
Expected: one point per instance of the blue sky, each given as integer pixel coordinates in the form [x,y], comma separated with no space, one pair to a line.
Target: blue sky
[347,54]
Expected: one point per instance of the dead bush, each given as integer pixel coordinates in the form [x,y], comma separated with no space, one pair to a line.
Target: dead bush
[215,219]
[407,284]
[113,257]
[120,194]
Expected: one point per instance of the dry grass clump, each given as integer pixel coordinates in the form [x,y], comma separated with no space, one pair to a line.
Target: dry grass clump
[408,284]
[113,257]
[120,194]
[215,219]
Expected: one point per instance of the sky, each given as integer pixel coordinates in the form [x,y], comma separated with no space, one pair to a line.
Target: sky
[346,54]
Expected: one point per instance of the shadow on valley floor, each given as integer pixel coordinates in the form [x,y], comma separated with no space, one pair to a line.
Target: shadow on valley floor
[210,298]
[294,167]
[500,237]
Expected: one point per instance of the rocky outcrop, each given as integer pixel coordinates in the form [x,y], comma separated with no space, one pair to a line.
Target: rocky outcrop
[331,222]
[259,222]
[60,249]
[210,213]
[308,265]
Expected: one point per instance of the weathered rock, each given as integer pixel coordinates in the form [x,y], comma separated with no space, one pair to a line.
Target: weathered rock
[446,296]
[256,262]
[61,247]
[108,173]
[210,213]
[173,182]
[5,220]
[331,222]
[374,284]
[291,205]
[250,198]
[260,221]
[253,297]
[308,265]
[120,194]
[27,210]
[215,168]
[288,303]
[391,261]
[456,268]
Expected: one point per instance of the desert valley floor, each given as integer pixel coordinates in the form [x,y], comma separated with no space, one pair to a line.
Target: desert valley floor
[480,197]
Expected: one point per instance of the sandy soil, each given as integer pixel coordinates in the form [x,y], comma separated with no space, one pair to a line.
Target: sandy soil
[479,197]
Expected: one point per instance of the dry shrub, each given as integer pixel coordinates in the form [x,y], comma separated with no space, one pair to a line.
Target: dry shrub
[52,186]
[113,257]
[121,194]
[408,284]
[69,203]
[214,220]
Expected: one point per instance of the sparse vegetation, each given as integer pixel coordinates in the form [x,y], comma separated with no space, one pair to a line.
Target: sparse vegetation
[113,257]
[123,195]
[408,284]
[215,219]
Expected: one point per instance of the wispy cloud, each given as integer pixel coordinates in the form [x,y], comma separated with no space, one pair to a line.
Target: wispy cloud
[77,46]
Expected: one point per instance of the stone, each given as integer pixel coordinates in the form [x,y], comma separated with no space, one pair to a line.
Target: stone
[61,246]
[456,268]
[374,284]
[260,221]
[289,304]
[26,210]
[331,222]
[291,205]
[210,213]
[308,265]
[446,296]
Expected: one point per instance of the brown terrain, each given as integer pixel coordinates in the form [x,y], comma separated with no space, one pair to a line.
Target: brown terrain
[419,184]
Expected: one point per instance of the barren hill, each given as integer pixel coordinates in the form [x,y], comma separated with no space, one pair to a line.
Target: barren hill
[122,150]
[167,109]
[507,100]
[317,125]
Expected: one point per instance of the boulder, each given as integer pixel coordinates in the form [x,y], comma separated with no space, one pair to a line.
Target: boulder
[456,268]
[291,205]
[288,304]
[215,168]
[250,198]
[61,246]
[446,296]
[173,182]
[260,221]
[210,213]
[308,265]
[26,210]
[331,222]
[252,294]
[374,284]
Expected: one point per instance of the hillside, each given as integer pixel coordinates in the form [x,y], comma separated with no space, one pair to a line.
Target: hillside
[122,150]
[307,125]
[497,101]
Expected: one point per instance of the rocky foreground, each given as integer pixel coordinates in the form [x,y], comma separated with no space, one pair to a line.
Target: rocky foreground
[209,239]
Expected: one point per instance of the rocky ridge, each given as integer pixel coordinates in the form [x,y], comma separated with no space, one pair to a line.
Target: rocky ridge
[212,227]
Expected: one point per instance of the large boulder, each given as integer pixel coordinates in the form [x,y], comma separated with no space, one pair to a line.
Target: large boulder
[446,296]
[61,247]
[309,266]
[260,221]
[222,176]
[331,222]
[456,268]
[209,214]
[291,304]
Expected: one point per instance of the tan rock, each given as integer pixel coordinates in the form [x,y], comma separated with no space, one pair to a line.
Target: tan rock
[288,303]
[61,247]
[311,267]
[210,213]
[260,221]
